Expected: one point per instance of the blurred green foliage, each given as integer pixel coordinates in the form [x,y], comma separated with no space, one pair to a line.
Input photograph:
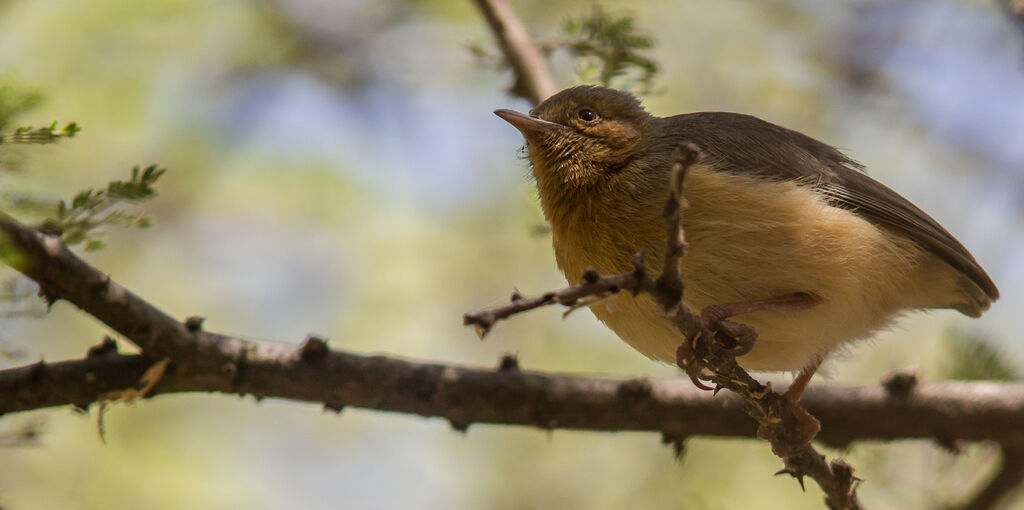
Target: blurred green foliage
[974,358]
[608,50]
[42,135]
[91,209]
[15,99]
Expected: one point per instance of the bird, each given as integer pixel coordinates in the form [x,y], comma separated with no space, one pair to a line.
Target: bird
[786,234]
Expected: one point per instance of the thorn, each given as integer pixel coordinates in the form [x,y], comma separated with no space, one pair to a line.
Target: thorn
[37,369]
[509,363]
[102,283]
[575,306]
[48,297]
[107,346]
[799,477]
[516,296]
[718,387]
[481,330]
[459,426]
[900,384]
[590,275]
[194,323]
[678,443]
[313,349]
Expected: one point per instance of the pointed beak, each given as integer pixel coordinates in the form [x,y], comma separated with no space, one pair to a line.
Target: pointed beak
[528,125]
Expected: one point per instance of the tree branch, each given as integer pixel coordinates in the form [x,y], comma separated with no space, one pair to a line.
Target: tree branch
[533,79]
[509,396]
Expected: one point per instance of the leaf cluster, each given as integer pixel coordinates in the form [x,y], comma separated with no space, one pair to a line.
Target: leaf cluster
[42,135]
[606,48]
[80,221]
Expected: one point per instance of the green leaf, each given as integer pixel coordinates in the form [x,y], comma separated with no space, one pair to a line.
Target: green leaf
[93,209]
[605,48]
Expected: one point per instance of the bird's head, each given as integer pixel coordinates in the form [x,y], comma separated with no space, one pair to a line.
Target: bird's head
[581,135]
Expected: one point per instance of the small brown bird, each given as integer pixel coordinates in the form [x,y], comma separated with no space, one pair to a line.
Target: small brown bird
[784,231]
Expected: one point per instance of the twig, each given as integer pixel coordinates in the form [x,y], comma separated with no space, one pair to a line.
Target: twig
[594,285]
[788,427]
[533,79]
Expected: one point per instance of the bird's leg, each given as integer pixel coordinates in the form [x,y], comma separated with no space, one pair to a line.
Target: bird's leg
[807,426]
[713,319]
[796,389]
[714,316]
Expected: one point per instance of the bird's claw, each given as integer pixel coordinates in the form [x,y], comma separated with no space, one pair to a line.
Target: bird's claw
[687,360]
[714,319]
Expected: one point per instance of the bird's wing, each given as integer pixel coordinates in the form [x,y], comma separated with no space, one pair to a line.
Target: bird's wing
[745,144]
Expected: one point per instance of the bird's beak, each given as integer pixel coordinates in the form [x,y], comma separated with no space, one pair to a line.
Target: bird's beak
[527,124]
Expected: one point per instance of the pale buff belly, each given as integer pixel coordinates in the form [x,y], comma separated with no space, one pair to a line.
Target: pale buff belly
[750,239]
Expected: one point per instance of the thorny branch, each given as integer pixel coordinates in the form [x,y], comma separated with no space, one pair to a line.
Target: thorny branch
[788,427]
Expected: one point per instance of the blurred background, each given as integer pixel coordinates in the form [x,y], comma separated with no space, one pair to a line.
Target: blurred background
[334,167]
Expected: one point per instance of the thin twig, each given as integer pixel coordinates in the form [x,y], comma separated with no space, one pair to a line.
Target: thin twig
[533,79]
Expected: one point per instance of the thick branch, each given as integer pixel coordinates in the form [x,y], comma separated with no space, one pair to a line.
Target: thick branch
[532,75]
[464,396]
[62,275]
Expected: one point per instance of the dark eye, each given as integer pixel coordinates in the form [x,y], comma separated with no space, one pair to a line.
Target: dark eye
[587,115]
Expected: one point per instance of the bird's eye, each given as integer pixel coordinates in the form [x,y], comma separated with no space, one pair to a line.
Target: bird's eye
[587,115]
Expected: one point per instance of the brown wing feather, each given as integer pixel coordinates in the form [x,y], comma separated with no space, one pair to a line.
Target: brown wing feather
[745,144]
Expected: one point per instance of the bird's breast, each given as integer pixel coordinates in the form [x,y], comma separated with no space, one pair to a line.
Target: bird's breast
[751,238]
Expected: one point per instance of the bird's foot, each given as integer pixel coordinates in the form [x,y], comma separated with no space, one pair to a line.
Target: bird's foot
[687,359]
[714,317]
[789,437]
[802,427]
